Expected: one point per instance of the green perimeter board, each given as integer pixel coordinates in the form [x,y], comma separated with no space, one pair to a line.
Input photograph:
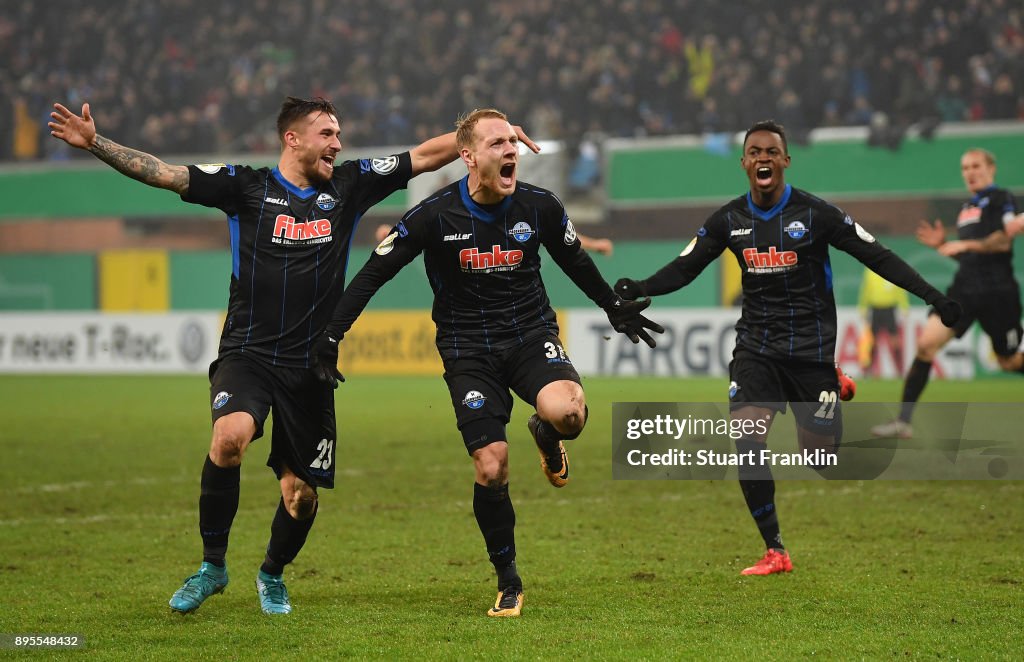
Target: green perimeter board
[199,280]
[666,175]
[48,282]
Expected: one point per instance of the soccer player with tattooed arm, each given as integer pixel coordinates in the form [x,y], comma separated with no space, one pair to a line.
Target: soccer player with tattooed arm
[496,331]
[786,334]
[290,228]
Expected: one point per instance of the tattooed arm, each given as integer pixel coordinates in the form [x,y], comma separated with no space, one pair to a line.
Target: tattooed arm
[80,131]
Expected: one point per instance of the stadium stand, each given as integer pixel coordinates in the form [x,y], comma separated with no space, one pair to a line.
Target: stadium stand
[185,76]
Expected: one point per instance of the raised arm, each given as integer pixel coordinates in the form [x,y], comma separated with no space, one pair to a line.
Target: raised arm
[80,131]
[439,151]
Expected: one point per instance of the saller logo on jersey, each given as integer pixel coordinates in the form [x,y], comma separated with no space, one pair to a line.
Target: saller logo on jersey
[471,259]
[771,262]
[288,231]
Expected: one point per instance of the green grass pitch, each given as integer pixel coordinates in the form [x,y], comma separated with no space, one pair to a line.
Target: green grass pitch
[98,527]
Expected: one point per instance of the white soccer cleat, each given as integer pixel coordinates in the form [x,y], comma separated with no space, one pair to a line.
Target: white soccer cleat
[895,429]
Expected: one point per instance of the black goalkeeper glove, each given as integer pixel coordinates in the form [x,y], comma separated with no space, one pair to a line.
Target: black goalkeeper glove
[629,289]
[325,359]
[625,318]
[949,310]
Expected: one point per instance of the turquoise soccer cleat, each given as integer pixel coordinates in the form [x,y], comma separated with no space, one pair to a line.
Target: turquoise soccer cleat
[209,580]
[273,594]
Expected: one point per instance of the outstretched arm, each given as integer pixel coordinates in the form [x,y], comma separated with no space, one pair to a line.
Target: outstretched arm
[885,263]
[698,254]
[439,151]
[80,131]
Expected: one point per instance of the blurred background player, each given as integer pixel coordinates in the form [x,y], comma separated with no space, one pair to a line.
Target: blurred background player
[786,334]
[290,233]
[984,282]
[496,331]
[880,304]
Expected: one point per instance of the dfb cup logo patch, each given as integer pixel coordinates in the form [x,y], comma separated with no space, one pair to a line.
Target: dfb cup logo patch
[570,233]
[796,229]
[386,246]
[221,399]
[733,388]
[384,166]
[521,232]
[325,201]
[864,234]
[474,400]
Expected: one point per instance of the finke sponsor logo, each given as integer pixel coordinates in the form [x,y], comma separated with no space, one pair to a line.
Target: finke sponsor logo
[288,231]
[769,262]
[471,259]
[969,216]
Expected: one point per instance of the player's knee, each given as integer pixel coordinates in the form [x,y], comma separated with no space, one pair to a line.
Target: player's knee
[491,463]
[1010,363]
[231,436]
[573,421]
[226,450]
[927,351]
[562,405]
[301,502]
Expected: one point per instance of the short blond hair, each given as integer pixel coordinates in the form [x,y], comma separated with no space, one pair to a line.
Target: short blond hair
[989,157]
[464,125]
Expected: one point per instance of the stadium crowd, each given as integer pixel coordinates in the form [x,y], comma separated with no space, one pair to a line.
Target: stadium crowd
[187,76]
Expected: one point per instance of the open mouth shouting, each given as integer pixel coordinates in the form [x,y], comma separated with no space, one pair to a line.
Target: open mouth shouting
[763,176]
[507,175]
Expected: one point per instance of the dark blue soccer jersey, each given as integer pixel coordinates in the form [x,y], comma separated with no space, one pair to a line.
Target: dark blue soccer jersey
[979,217]
[789,310]
[289,248]
[483,264]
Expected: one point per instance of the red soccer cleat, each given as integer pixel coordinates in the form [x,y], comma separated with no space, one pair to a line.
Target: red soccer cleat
[773,561]
[847,387]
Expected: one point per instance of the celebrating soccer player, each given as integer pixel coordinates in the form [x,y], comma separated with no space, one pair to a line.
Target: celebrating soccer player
[496,331]
[290,230]
[786,334]
[984,282]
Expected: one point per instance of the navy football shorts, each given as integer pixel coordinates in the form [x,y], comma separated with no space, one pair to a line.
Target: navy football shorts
[997,311]
[304,432]
[811,388]
[480,385]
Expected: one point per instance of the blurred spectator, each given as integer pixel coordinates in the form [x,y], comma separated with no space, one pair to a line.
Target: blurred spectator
[403,70]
